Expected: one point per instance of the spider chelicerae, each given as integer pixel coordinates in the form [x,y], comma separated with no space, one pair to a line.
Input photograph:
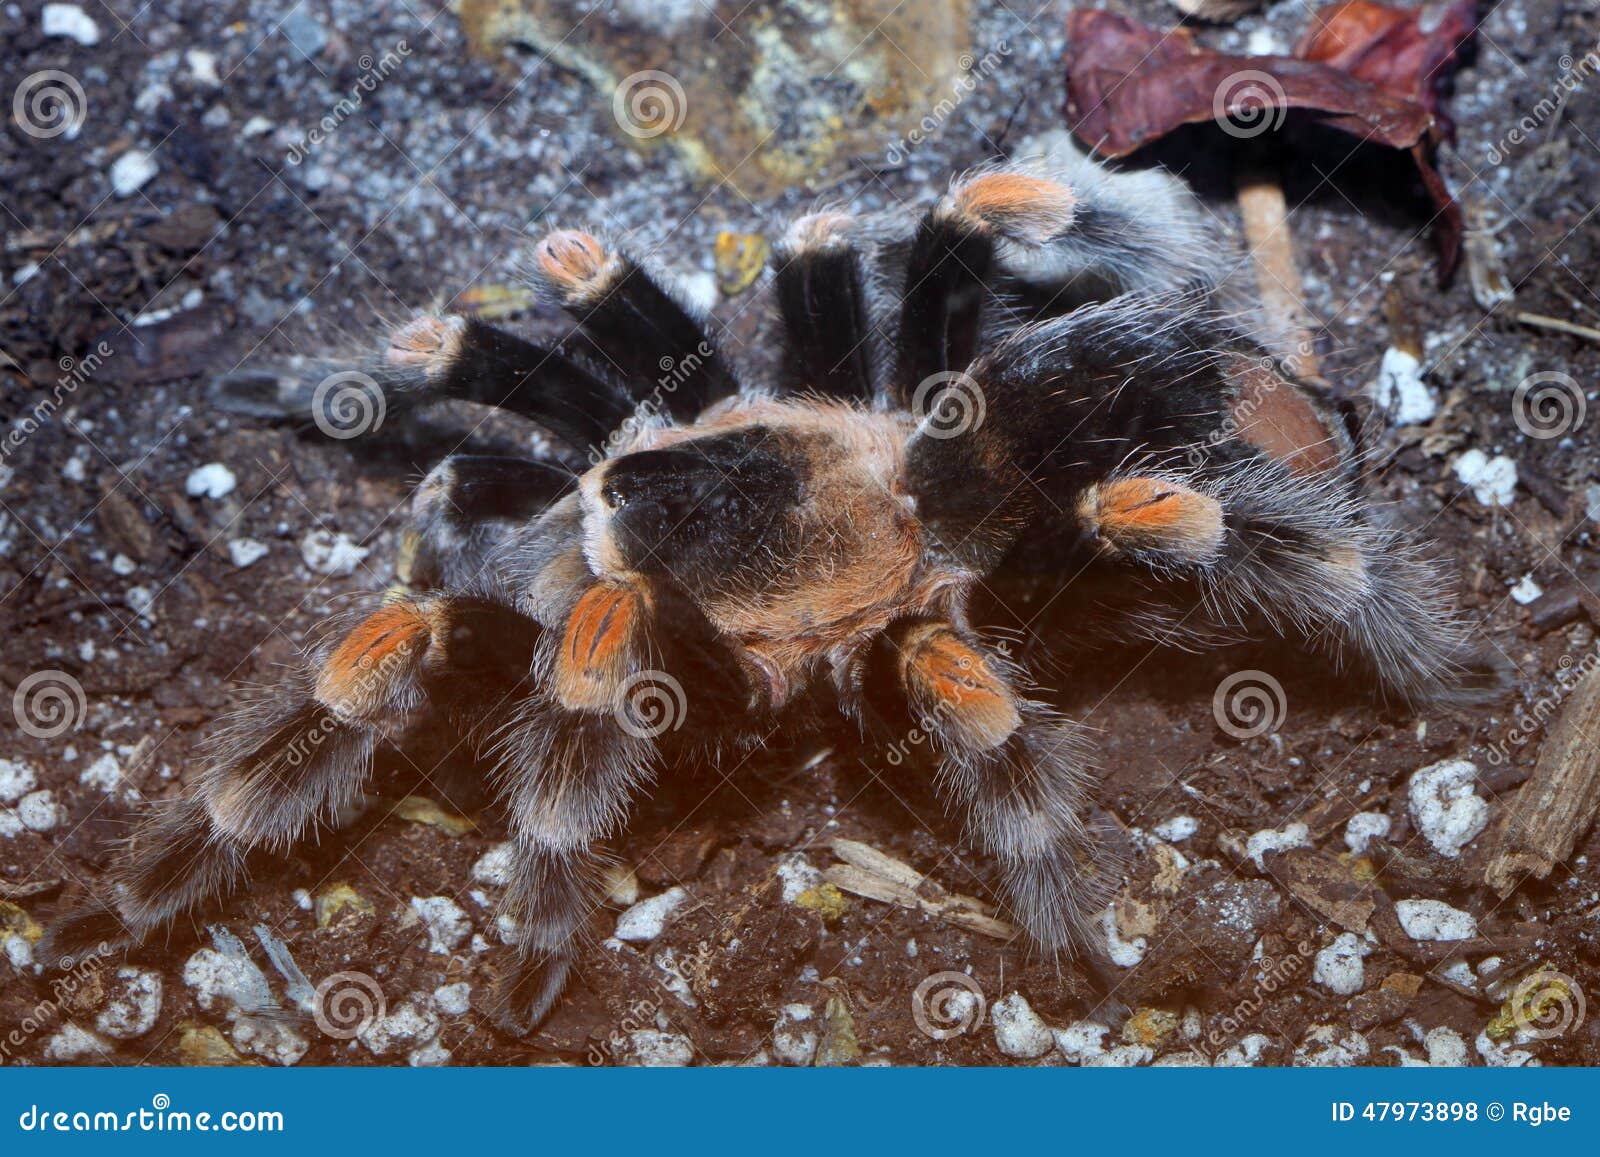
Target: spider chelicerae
[1027,393]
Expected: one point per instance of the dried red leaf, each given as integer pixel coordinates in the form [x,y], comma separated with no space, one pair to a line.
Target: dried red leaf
[1406,51]
[1370,71]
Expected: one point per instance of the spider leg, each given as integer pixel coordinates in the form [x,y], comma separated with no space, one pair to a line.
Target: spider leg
[636,678]
[635,323]
[434,357]
[822,287]
[950,269]
[1014,770]
[302,755]
[467,508]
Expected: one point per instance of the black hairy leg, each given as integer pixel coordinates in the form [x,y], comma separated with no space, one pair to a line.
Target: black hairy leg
[300,756]
[634,323]
[821,284]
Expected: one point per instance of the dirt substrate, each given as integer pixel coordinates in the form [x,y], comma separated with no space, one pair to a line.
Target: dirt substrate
[119,572]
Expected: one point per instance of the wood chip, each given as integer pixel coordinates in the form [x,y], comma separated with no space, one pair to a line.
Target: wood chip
[875,875]
[1557,806]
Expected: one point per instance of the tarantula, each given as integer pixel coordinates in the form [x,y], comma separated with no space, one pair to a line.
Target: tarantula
[1055,408]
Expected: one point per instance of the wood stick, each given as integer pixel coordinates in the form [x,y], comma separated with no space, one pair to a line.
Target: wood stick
[1266,228]
[1540,321]
[1556,807]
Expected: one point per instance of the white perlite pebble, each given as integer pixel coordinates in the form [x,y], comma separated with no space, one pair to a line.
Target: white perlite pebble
[446,923]
[134,1007]
[1525,591]
[17,779]
[1591,502]
[1434,920]
[1445,807]
[271,1040]
[1246,1053]
[73,1043]
[653,1049]
[453,999]
[797,876]
[429,1056]
[18,951]
[1177,829]
[1501,1055]
[10,824]
[331,554]
[648,918]
[243,552]
[39,811]
[1323,1048]
[1295,835]
[203,67]
[1018,1031]
[1446,1049]
[494,866]
[408,1026]
[1123,953]
[71,21]
[104,773]
[793,1041]
[131,172]
[1081,1042]
[1339,966]
[227,977]
[1400,390]
[1493,480]
[213,480]
[1362,827]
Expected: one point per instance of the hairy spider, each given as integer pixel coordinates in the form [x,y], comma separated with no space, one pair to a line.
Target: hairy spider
[1057,413]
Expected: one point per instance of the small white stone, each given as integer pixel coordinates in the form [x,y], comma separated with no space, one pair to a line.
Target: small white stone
[1434,920]
[331,554]
[1525,591]
[797,875]
[494,866]
[71,21]
[19,952]
[1400,390]
[75,470]
[123,566]
[73,1043]
[1362,827]
[139,600]
[1246,1053]
[1501,1055]
[653,1049]
[446,923]
[1295,835]
[1177,829]
[1081,1042]
[429,1056]
[1018,1031]
[793,1041]
[245,552]
[453,999]
[1123,953]
[409,1027]
[213,480]
[1446,807]
[1591,502]
[648,918]
[1324,1048]
[1493,480]
[1339,966]
[39,811]
[203,67]
[271,1040]
[225,976]
[104,773]
[17,779]
[132,171]
[135,1005]
[10,824]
